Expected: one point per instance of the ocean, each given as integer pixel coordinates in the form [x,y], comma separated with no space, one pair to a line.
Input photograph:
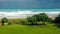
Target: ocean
[33,9]
[22,13]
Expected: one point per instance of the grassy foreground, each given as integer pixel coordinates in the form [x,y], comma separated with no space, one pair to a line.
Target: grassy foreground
[24,29]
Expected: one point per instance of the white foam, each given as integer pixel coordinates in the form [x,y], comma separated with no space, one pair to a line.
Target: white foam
[25,13]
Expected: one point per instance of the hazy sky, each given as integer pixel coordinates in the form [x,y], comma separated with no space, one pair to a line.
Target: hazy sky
[29,3]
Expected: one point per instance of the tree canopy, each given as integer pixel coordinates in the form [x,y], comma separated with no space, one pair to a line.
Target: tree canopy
[39,17]
[57,19]
[4,20]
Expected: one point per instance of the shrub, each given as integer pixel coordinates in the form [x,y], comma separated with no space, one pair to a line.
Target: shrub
[18,22]
[9,23]
[4,20]
[41,17]
[32,20]
[57,19]
[23,21]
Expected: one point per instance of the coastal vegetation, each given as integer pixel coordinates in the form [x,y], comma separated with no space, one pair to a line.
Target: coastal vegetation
[36,24]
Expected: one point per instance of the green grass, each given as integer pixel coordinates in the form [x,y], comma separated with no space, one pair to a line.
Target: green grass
[24,29]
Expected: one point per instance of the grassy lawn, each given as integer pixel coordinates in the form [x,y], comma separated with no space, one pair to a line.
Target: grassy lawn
[24,29]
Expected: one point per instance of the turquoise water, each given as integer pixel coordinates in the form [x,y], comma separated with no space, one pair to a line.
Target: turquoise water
[30,10]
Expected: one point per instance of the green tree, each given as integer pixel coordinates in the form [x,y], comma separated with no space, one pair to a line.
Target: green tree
[57,19]
[37,17]
[24,21]
[49,20]
[41,17]
[32,20]
[4,20]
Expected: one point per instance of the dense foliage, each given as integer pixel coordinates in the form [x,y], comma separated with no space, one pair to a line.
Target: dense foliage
[4,20]
[57,19]
[32,20]
[42,17]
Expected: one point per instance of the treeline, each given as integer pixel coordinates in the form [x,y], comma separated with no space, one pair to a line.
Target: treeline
[42,17]
[37,19]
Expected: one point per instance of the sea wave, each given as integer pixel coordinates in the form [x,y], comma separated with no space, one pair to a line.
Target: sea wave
[26,13]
